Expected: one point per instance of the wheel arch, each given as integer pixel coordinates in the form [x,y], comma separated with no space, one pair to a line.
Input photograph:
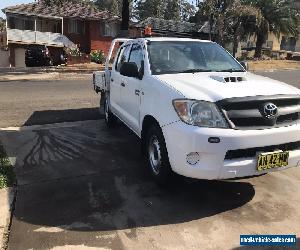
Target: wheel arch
[148,121]
[167,172]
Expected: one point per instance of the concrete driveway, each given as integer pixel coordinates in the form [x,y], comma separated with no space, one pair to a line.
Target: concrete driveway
[82,186]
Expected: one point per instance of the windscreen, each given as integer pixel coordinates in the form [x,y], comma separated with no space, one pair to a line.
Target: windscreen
[167,57]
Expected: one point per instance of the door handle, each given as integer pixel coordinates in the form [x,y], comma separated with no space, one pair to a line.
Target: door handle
[122,84]
[137,92]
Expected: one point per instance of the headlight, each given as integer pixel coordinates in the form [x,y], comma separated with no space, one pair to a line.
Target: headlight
[199,113]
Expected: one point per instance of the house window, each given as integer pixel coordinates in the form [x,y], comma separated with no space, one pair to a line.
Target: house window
[28,24]
[270,44]
[20,23]
[76,26]
[108,29]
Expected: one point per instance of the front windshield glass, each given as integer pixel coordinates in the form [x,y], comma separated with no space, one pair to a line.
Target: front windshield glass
[170,57]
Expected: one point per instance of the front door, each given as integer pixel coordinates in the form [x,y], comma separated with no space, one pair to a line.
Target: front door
[131,91]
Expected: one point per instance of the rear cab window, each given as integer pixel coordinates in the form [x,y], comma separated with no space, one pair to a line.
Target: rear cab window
[122,56]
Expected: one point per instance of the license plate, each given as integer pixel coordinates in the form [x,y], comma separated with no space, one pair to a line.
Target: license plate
[272,160]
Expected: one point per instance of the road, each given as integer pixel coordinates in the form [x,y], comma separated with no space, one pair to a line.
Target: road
[288,76]
[83,186]
[42,102]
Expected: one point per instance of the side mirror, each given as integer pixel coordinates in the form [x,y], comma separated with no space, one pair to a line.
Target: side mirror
[245,65]
[129,69]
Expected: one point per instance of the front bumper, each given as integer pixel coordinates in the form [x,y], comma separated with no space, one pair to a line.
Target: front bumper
[182,139]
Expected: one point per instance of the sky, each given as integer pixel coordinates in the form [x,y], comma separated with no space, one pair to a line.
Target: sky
[5,3]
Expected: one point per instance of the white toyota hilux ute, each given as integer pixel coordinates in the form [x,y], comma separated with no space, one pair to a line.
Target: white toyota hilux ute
[198,112]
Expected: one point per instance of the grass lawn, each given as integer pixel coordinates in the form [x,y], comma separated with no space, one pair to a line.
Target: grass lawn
[7,176]
[273,64]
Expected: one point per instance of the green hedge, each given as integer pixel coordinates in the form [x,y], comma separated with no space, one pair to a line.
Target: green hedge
[7,176]
[98,56]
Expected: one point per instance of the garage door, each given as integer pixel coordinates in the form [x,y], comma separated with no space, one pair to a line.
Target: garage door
[4,58]
[20,57]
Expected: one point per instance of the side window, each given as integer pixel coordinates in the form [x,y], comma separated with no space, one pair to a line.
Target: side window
[136,55]
[108,29]
[123,56]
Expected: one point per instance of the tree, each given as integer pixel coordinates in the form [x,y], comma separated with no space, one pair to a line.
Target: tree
[242,21]
[125,16]
[187,10]
[277,16]
[118,7]
[150,8]
[215,12]
[169,10]
[2,25]
[114,6]
[172,10]
[228,19]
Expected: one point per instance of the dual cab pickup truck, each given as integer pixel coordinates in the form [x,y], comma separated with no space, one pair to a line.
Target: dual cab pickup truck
[198,112]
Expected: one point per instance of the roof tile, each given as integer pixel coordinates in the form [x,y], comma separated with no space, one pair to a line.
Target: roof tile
[67,9]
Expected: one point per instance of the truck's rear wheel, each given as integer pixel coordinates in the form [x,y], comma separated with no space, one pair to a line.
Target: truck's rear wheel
[157,155]
[102,102]
[110,119]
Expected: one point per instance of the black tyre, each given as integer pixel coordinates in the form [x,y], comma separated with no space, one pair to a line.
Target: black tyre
[157,156]
[110,119]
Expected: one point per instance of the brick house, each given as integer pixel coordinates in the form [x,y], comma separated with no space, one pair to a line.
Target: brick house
[69,25]
[2,39]
[2,33]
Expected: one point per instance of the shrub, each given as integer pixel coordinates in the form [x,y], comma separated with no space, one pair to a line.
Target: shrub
[7,176]
[97,56]
[75,52]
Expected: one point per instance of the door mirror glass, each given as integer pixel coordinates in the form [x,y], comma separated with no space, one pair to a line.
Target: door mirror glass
[245,65]
[129,69]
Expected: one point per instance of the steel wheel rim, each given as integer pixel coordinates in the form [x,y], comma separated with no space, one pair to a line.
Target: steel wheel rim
[154,153]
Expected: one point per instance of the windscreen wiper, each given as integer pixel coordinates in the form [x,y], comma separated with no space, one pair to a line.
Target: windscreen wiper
[195,70]
[231,70]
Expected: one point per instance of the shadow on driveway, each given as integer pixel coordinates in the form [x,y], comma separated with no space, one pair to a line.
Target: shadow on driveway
[96,176]
[87,178]
[58,116]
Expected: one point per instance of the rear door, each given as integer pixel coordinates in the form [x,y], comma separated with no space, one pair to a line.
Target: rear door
[131,90]
[115,44]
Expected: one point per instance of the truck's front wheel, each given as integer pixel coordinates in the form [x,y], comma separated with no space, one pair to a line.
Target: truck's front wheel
[157,155]
[110,119]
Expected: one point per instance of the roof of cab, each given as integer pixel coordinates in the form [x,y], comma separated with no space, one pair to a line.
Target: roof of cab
[161,39]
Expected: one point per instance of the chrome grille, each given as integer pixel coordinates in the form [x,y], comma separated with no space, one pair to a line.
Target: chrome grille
[246,113]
